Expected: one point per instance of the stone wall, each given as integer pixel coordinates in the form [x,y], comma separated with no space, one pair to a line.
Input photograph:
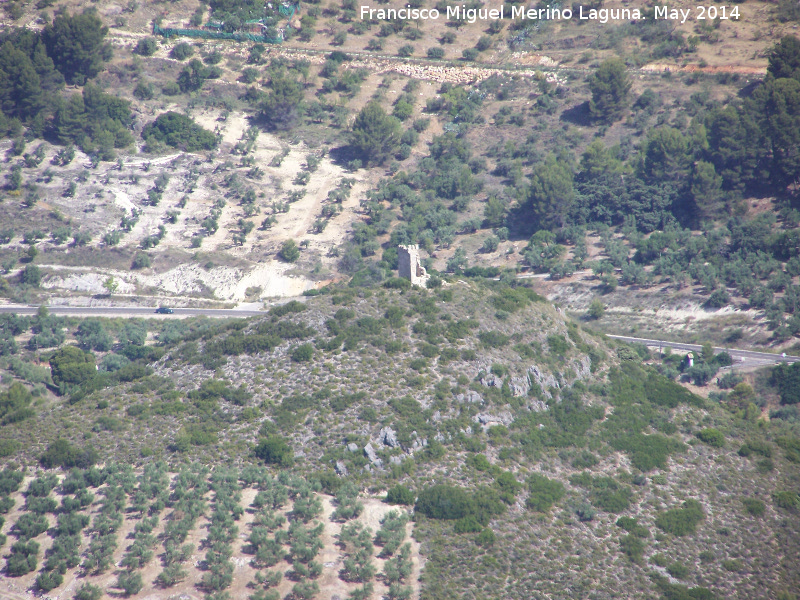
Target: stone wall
[409,266]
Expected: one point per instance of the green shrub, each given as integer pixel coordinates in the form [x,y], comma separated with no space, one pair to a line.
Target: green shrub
[141,261]
[10,481]
[756,447]
[585,512]
[544,493]
[181,51]
[632,547]
[765,465]
[674,591]
[452,503]
[558,344]
[605,493]
[664,392]
[508,485]
[418,364]
[647,452]
[130,582]
[678,570]
[428,350]
[22,559]
[289,251]
[732,565]
[486,538]
[786,500]
[146,46]
[302,353]
[291,307]
[8,447]
[754,507]
[630,525]
[712,437]
[399,494]
[479,462]
[30,525]
[88,592]
[31,275]
[493,339]
[61,453]
[585,460]
[71,365]
[467,525]
[275,450]
[49,580]
[143,91]
[212,389]
[681,521]
[406,407]
[14,404]
[179,131]
[707,556]
[397,283]
[787,379]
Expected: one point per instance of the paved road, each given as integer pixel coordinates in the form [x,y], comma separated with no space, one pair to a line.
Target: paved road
[739,356]
[120,311]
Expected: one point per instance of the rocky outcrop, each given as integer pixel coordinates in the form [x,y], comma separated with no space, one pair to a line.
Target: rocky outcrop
[487,420]
[418,443]
[537,406]
[519,386]
[491,380]
[583,368]
[543,380]
[470,397]
[340,468]
[372,455]
[388,437]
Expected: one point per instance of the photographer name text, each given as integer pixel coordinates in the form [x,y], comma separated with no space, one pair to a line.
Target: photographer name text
[583,13]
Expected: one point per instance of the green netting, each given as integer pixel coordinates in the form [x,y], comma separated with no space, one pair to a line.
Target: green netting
[285,10]
[215,35]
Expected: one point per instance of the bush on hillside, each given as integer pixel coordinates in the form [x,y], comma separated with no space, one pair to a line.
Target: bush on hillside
[179,131]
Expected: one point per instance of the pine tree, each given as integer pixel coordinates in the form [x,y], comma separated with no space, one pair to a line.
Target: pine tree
[609,86]
[20,87]
[283,105]
[76,45]
[784,59]
[551,193]
[375,135]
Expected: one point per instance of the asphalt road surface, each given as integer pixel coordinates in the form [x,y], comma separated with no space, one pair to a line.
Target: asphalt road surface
[740,357]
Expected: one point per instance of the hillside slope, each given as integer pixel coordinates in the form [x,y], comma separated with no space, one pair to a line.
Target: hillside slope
[530,443]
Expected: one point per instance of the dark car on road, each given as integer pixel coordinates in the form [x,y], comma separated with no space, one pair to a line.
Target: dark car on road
[164,310]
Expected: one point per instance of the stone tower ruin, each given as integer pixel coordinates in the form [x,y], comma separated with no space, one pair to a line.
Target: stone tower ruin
[409,267]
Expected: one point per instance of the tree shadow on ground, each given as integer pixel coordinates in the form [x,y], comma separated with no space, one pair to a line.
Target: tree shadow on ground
[578,115]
